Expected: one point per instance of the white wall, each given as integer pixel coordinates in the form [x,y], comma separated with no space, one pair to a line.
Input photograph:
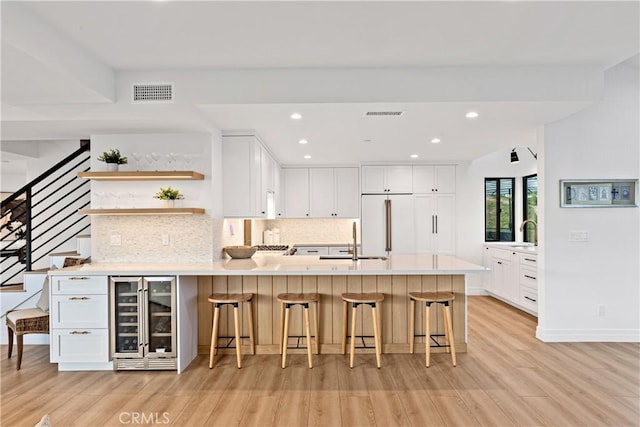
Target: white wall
[192,238]
[599,142]
[470,202]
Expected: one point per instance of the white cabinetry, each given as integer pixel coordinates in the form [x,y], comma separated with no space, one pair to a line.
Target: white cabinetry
[248,177]
[296,192]
[435,223]
[434,179]
[513,277]
[387,179]
[80,322]
[333,192]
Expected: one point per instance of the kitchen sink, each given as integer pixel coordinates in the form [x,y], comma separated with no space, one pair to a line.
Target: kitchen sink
[382,258]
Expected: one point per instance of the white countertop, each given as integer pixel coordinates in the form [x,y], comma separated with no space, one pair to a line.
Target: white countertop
[527,248]
[272,265]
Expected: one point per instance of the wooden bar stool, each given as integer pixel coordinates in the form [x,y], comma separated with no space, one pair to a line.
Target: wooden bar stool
[444,298]
[371,299]
[286,302]
[230,299]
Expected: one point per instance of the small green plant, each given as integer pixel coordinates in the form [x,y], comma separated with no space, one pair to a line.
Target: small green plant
[113,156]
[168,194]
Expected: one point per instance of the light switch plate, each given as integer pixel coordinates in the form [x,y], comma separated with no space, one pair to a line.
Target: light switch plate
[165,240]
[579,236]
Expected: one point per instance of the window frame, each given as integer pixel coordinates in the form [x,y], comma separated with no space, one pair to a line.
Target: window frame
[525,205]
[513,204]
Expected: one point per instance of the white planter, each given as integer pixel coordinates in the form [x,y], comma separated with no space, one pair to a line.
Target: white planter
[168,203]
[112,167]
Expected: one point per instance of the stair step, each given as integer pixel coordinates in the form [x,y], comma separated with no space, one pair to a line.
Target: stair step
[18,287]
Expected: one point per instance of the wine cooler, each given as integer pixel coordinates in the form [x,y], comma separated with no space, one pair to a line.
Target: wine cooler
[143,323]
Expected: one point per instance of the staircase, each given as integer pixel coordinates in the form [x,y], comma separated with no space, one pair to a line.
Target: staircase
[41,217]
[40,228]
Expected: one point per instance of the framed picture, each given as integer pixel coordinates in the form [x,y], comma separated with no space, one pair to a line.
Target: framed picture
[592,193]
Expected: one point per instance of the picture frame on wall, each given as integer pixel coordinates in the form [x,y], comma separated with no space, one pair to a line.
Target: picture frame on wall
[590,193]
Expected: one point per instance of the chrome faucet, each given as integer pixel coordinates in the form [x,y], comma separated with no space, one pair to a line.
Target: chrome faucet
[535,229]
[355,243]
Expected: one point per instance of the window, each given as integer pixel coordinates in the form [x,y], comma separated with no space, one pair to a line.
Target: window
[498,209]
[530,210]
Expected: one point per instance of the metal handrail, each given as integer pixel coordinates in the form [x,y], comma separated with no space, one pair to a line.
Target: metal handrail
[65,200]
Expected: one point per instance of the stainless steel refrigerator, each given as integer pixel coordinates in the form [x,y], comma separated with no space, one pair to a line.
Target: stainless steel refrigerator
[387,224]
[143,323]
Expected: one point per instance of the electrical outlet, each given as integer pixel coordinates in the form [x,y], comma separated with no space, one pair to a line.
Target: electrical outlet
[579,236]
[600,311]
[165,240]
[116,240]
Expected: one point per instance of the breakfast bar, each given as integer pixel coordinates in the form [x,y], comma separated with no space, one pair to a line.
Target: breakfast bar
[266,276]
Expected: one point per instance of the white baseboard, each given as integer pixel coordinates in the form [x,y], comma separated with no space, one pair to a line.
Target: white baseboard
[476,291]
[588,335]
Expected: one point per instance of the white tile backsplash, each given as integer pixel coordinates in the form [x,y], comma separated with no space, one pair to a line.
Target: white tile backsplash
[301,231]
[190,238]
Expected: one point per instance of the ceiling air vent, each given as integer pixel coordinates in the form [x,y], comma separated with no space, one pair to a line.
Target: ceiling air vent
[153,92]
[383,113]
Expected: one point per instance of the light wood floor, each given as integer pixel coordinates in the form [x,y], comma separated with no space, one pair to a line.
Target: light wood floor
[506,378]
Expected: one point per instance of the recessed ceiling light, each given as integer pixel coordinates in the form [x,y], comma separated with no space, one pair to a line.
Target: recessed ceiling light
[435,140]
[296,116]
[303,141]
[472,115]
[414,156]
[307,156]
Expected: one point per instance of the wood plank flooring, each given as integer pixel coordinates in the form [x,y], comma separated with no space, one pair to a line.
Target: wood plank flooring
[507,378]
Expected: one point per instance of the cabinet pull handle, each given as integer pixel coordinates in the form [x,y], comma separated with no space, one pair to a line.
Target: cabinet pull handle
[79,333]
[530,299]
[313,252]
[529,259]
[529,277]
[79,278]
[436,222]
[499,262]
[433,222]
[78,298]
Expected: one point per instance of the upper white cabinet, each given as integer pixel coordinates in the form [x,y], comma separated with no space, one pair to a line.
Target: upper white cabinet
[387,179]
[333,193]
[248,177]
[296,192]
[434,179]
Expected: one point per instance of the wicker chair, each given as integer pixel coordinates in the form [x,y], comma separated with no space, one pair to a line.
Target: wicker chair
[28,321]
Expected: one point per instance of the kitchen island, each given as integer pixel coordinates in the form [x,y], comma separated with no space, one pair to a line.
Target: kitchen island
[269,275]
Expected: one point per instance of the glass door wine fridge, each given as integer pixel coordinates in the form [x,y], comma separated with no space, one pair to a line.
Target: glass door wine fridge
[143,323]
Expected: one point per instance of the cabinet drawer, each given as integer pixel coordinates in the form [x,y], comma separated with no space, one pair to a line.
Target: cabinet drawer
[313,250]
[79,284]
[529,260]
[79,311]
[79,345]
[529,278]
[529,299]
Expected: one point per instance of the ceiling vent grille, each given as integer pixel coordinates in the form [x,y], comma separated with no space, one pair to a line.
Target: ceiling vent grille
[153,92]
[383,113]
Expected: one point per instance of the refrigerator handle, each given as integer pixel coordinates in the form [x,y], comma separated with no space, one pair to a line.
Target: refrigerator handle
[433,227]
[436,223]
[140,319]
[387,209]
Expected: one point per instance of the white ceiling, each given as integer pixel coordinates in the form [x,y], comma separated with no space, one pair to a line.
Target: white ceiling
[170,38]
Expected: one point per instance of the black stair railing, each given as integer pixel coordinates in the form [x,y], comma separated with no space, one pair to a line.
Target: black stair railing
[42,216]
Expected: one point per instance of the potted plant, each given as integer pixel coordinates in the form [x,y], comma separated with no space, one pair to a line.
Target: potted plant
[168,196]
[113,159]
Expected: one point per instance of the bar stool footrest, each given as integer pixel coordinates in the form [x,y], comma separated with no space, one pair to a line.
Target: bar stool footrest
[231,339]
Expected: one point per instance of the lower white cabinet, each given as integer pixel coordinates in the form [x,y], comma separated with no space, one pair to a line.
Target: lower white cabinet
[80,345]
[312,250]
[513,277]
[79,311]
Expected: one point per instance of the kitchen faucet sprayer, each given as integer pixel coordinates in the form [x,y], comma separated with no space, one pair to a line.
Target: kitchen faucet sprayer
[355,242]
[535,229]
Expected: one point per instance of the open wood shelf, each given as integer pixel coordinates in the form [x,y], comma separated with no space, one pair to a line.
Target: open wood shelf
[143,211]
[142,175]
